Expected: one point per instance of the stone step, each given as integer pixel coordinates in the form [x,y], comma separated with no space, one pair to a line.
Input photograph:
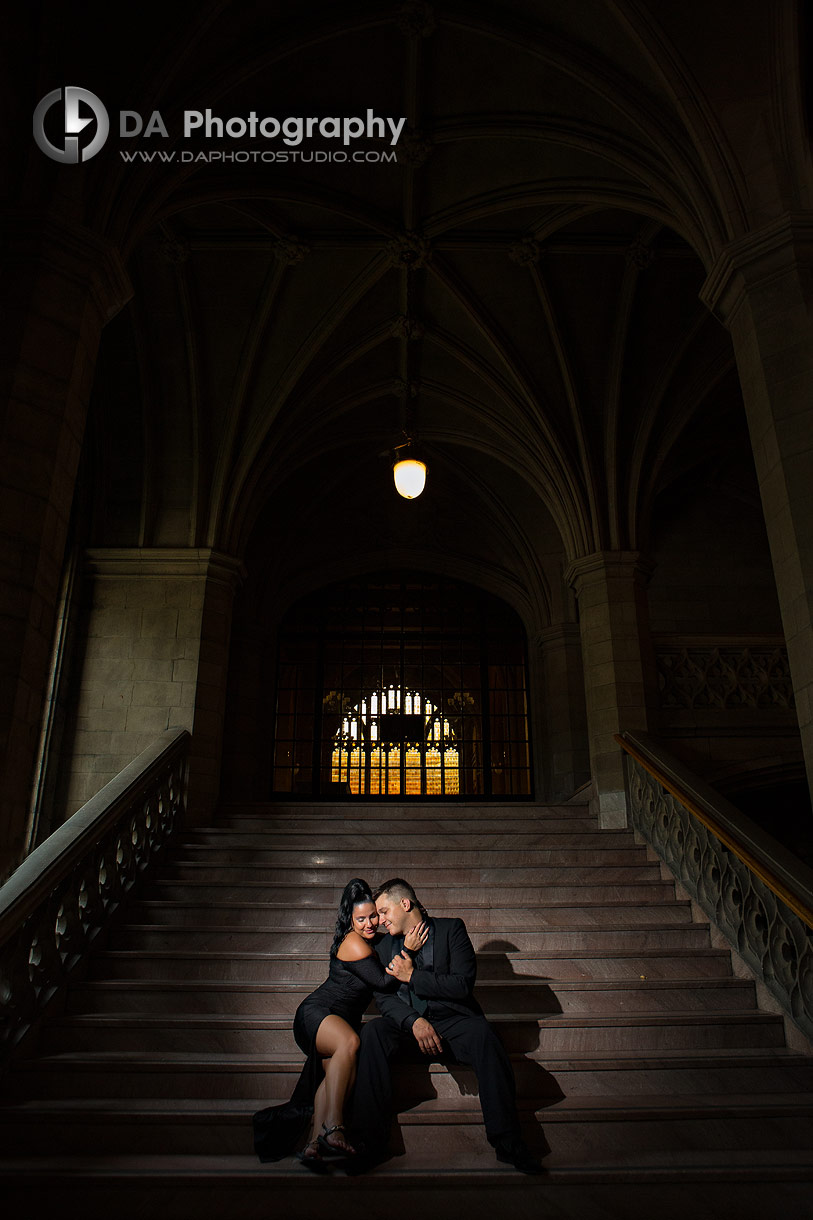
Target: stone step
[401,856]
[748,1185]
[516,996]
[430,884]
[677,1071]
[574,1034]
[644,933]
[172,1075]
[441,902]
[293,967]
[635,1048]
[399,811]
[284,926]
[578,1134]
[388,838]
[315,828]
[441,821]
[460,870]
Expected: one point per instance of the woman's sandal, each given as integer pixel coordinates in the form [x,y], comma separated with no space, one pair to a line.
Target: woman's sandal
[334,1151]
[311,1156]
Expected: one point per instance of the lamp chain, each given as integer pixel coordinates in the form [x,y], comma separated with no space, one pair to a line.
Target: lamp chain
[409,405]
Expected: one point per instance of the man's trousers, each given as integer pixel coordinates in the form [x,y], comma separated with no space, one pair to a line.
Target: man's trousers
[471,1041]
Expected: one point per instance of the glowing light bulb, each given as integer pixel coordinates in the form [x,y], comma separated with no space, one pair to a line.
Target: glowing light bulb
[410,477]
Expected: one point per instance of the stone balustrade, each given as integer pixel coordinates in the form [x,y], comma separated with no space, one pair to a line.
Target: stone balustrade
[755,891]
[54,906]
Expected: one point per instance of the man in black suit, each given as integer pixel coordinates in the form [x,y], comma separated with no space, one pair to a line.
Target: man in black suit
[433,1013]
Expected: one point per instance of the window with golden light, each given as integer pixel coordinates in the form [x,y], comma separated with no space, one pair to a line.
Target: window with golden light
[372,766]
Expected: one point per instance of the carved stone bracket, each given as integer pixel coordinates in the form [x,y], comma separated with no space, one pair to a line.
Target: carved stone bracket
[755,261]
[768,935]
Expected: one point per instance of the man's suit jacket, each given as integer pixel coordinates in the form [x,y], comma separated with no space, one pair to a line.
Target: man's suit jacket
[445,973]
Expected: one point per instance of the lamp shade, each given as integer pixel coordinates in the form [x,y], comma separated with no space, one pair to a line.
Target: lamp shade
[410,477]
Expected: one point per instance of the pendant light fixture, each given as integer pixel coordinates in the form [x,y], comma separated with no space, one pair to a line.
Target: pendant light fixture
[408,470]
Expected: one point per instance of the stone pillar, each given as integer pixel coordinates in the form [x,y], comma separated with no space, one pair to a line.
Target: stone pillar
[249,730]
[762,289]
[618,667]
[156,658]
[565,753]
[222,578]
[60,285]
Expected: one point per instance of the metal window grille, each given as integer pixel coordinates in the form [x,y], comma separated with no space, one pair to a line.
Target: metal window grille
[404,686]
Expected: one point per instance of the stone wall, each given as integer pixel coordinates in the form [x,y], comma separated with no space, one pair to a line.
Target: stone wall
[60,285]
[155,658]
[713,570]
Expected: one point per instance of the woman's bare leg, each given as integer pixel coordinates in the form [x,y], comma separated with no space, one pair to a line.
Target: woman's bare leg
[338,1044]
[319,1107]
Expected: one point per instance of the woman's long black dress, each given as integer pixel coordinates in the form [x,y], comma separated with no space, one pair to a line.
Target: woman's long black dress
[346,993]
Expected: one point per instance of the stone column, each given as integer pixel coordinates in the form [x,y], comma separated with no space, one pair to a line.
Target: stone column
[249,731]
[60,285]
[156,657]
[222,578]
[618,667]
[565,753]
[762,289]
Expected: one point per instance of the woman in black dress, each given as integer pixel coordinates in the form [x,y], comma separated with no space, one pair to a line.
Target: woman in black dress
[326,1029]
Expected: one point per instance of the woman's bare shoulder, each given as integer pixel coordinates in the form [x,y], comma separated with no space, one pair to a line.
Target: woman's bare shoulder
[353,948]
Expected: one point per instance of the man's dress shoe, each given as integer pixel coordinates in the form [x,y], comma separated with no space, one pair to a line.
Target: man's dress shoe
[514,1151]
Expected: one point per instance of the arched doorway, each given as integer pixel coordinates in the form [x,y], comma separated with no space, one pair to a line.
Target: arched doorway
[402,686]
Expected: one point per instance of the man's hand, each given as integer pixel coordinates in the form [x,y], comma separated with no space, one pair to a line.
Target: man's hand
[401,967]
[427,1039]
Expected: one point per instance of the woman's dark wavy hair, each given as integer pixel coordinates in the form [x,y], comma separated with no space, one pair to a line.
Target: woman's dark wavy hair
[354,892]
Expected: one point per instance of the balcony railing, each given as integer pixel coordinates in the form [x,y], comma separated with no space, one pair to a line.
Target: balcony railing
[56,903]
[754,890]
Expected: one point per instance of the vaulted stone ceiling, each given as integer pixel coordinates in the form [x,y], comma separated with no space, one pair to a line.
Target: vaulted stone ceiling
[567,176]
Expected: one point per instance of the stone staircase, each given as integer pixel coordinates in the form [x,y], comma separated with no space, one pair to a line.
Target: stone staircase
[658,1082]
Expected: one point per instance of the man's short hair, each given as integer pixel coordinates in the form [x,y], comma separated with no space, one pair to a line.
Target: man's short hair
[397,889]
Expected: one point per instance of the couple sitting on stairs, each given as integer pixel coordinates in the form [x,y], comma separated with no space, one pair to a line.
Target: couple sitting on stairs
[422,973]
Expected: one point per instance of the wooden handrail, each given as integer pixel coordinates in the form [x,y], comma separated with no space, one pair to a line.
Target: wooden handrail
[757,866]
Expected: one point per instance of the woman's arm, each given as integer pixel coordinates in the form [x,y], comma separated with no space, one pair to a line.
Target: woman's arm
[371,972]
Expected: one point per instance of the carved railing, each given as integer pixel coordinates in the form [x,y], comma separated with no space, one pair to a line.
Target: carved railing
[55,904]
[755,891]
[697,675]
